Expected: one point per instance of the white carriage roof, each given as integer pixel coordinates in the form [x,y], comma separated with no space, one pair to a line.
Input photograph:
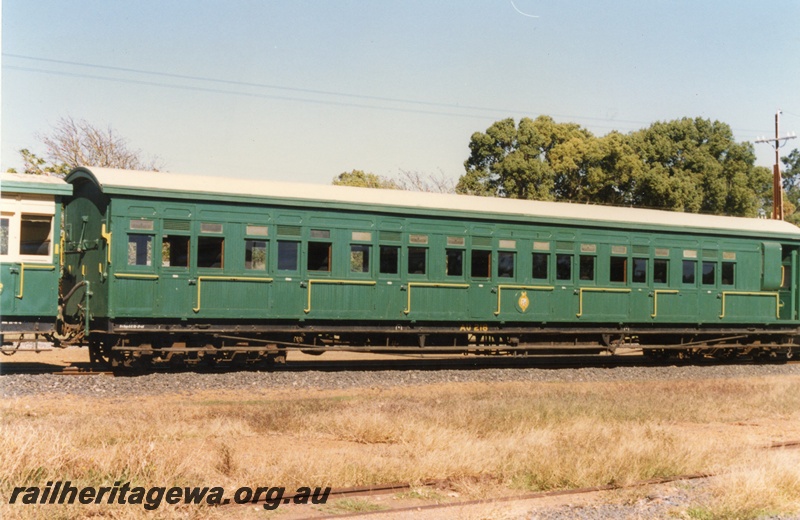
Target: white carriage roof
[163,181]
[27,183]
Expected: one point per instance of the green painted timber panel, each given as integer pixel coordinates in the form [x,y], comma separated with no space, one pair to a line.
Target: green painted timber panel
[29,289]
[339,299]
[232,297]
[431,300]
[138,294]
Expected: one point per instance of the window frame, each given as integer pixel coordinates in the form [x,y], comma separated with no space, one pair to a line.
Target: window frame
[367,259]
[408,255]
[189,246]
[278,255]
[645,271]
[153,250]
[397,264]
[547,263]
[500,254]
[249,250]
[485,253]
[461,264]
[570,257]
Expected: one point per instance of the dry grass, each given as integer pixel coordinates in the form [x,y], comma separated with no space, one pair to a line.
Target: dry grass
[479,436]
[767,484]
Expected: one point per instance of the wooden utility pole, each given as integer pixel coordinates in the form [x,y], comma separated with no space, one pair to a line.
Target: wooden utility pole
[777,180]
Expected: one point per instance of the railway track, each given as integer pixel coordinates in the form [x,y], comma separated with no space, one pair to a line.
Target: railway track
[393,488]
[395,365]
[407,363]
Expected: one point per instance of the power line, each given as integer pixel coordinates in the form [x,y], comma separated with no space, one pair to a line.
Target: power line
[611,123]
[237,93]
[283,88]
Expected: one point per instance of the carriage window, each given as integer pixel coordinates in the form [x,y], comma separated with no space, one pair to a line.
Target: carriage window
[359,258]
[140,249]
[728,273]
[288,253]
[563,267]
[505,264]
[639,270]
[481,264]
[255,255]
[319,256]
[709,273]
[390,256]
[587,267]
[417,260]
[660,270]
[540,261]
[175,251]
[4,236]
[689,270]
[619,269]
[455,262]
[34,236]
[211,252]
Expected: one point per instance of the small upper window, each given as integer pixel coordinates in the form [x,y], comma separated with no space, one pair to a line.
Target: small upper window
[257,230]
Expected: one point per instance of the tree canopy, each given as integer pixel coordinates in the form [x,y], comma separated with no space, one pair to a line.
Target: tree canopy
[406,180]
[362,179]
[73,143]
[691,165]
[791,185]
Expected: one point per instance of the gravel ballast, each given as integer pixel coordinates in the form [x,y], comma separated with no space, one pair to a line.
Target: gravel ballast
[20,385]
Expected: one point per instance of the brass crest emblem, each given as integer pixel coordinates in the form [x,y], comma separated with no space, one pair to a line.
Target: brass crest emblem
[523,302]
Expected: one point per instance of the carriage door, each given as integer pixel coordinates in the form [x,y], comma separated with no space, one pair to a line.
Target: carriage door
[788,310]
[175,293]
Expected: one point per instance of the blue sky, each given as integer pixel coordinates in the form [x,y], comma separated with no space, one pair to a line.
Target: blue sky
[304,90]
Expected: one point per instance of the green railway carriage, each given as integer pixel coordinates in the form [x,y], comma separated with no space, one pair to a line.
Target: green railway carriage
[161,263]
[30,253]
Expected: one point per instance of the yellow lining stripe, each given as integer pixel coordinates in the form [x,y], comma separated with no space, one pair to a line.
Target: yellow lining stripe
[527,287]
[655,299]
[136,275]
[333,282]
[594,289]
[426,284]
[22,268]
[226,279]
[744,293]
